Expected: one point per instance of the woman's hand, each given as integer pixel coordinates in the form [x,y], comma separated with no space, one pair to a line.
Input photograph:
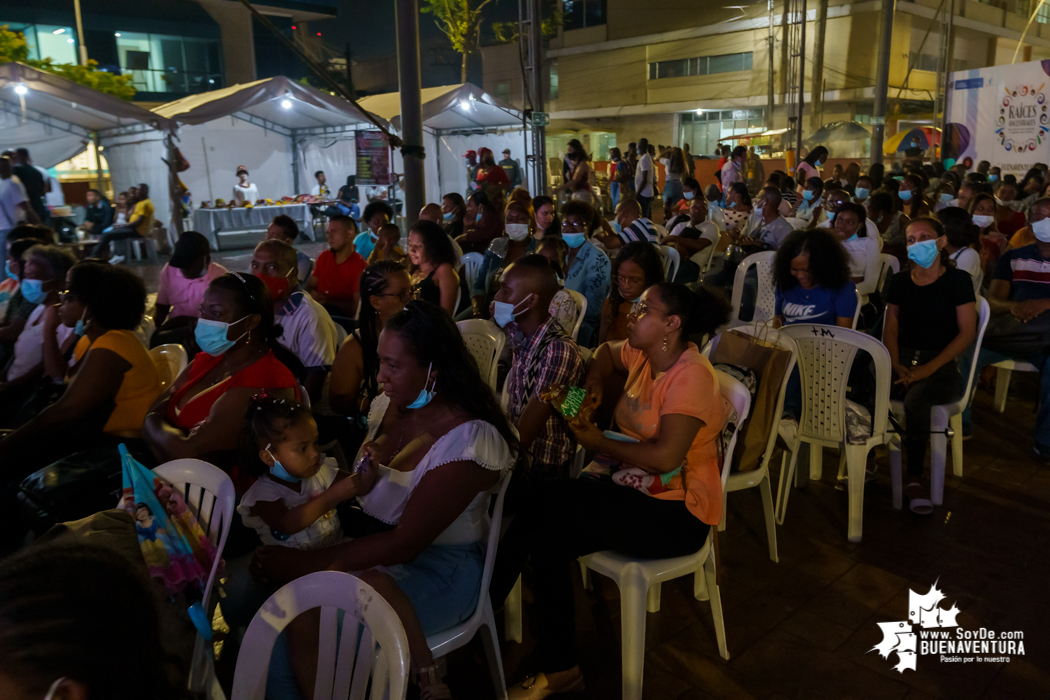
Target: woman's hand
[587,433]
[51,320]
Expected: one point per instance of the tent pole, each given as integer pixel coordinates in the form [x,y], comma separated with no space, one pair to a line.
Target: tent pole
[98,161]
[295,162]
[173,185]
[411,107]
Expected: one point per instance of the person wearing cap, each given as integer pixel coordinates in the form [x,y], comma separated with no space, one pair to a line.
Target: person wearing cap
[472,171]
[284,228]
[244,191]
[183,281]
[512,168]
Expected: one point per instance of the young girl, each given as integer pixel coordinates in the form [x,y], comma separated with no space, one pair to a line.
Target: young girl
[388,246]
[809,207]
[292,504]
[962,235]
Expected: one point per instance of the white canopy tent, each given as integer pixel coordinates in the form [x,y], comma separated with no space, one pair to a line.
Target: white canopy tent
[271,126]
[456,119]
[55,118]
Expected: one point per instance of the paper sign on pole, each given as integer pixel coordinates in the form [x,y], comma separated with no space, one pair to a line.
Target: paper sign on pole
[373,158]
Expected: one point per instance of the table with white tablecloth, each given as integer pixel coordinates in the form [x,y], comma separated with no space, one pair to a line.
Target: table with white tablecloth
[214,222]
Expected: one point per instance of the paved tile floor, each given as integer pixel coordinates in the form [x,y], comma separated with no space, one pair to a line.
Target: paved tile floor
[805,627]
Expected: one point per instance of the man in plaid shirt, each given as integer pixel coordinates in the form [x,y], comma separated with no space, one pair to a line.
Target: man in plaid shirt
[543,355]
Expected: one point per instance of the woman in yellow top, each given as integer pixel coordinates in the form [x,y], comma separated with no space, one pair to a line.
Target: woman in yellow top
[111,384]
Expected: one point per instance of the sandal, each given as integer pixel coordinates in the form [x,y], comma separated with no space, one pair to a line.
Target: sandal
[430,685]
[918,503]
[537,687]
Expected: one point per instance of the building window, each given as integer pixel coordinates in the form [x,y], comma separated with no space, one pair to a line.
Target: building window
[48,41]
[161,63]
[703,65]
[930,62]
[503,91]
[554,81]
[584,13]
[704,131]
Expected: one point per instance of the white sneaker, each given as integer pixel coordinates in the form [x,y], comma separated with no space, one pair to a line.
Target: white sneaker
[116,260]
[789,431]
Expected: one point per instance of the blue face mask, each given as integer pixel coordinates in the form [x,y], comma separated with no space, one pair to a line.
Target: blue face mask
[425,396]
[688,195]
[946,197]
[853,237]
[905,195]
[7,269]
[862,193]
[831,216]
[279,471]
[924,252]
[574,240]
[211,336]
[448,215]
[993,178]
[478,217]
[33,291]
[616,227]
[503,313]
[81,326]
[807,195]
[816,164]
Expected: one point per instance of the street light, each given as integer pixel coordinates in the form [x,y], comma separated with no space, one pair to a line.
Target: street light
[21,89]
[287,104]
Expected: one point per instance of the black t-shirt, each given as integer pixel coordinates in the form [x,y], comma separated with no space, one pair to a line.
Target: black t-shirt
[927,314]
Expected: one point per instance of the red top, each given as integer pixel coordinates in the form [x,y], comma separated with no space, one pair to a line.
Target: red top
[495,176]
[339,281]
[265,373]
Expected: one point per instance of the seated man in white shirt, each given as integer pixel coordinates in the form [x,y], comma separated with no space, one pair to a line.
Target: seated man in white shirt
[307,330]
[629,226]
[834,202]
[321,188]
[765,229]
[694,237]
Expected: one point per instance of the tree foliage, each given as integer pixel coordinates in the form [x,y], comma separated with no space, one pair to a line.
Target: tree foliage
[460,21]
[13,48]
[507,32]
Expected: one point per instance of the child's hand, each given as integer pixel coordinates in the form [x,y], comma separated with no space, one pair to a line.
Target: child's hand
[366,471]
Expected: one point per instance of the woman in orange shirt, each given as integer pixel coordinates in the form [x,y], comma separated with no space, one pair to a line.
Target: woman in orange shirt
[657,496]
[113,379]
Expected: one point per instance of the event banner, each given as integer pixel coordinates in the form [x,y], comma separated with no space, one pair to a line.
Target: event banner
[373,158]
[999,114]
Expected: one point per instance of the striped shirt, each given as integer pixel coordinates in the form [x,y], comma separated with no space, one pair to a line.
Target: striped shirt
[639,230]
[1027,272]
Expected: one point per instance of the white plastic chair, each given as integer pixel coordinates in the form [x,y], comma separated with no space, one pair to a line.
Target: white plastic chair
[581,311]
[170,360]
[765,301]
[485,341]
[356,665]
[639,580]
[671,259]
[449,640]
[856,313]
[209,495]
[147,326]
[889,262]
[760,476]
[471,264]
[1003,372]
[825,356]
[940,418]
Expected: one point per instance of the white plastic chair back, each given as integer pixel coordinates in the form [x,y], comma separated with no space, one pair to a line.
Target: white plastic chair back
[371,650]
[210,496]
[449,640]
[170,360]
[145,330]
[825,356]
[581,311]
[304,396]
[737,395]
[485,341]
[889,262]
[471,264]
[856,313]
[671,259]
[765,300]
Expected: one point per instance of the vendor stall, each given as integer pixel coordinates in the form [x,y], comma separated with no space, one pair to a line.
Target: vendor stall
[213,222]
[270,126]
[456,119]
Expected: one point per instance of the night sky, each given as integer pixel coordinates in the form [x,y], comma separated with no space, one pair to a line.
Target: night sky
[368,25]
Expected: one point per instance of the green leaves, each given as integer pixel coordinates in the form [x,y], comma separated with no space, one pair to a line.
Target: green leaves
[13,47]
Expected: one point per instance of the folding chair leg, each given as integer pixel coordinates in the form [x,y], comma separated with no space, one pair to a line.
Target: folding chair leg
[1002,387]
[512,614]
[585,574]
[957,444]
[716,606]
[856,461]
[633,593]
[816,462]
[938,456]
[492,653]
[894,447]
[784,488]
[652,598]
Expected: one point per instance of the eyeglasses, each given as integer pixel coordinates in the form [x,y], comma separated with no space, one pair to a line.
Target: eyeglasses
[573,226]
[66,295]
[641,308]
[404,297]
[620,279]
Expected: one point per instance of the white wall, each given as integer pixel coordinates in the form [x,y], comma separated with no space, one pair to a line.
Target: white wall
[215,149]
[337,158]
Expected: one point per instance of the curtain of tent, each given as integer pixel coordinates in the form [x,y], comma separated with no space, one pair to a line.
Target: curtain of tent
[47,146]
[216,148]
[335,155]
[138,157]
[450,149]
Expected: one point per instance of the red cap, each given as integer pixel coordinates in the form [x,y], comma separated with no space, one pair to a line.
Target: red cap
[470,154]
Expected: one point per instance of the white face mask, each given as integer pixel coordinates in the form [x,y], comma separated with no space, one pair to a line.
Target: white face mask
[517,232]
[982,220]
[1041,229]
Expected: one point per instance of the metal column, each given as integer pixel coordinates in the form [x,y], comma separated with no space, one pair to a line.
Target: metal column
[882,82]
[944,72]
[411,107]
[770,100]
[530,36]
[816,107]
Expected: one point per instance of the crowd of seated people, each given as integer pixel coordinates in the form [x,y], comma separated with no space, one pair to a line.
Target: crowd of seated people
[300,369]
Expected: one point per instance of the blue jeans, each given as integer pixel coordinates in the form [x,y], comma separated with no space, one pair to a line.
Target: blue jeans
[1041,433]
[614,193]
[672,192]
